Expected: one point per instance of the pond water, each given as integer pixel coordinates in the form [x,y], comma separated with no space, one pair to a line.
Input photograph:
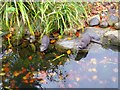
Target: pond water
[97,69]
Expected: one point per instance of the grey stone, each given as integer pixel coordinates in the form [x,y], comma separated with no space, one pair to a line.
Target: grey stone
[117,25]
[112,37]
[104,24]
[94,22]
[112,19]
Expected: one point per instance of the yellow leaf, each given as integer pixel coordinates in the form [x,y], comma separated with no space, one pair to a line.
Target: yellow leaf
[16,73]
[69,38]
[59,36]
[68,51]
[61,77]
[24,77]
[2,74]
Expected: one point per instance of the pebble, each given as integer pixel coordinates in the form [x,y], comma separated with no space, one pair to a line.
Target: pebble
[117,25]
[94,22]
[112,19]
[103,24]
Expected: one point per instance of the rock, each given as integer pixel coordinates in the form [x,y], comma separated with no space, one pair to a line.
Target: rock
[94,21]
[112,19]
[104,24]
[111,37]
[117,25]
[112,11]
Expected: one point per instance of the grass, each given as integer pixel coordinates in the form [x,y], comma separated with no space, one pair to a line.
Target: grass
[45,17]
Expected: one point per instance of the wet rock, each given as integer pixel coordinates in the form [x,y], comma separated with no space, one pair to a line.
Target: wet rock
[112,19]
[111,37]
[94,21]
[117,25]
[104,24]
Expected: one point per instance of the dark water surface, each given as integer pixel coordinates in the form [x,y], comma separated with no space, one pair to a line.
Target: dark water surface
[99,69]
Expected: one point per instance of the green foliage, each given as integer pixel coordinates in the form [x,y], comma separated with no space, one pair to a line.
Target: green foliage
[45,17]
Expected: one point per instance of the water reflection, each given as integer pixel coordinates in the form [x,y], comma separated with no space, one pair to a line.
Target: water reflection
[97,68]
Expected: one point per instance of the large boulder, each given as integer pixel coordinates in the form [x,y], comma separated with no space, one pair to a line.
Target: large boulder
[112,37]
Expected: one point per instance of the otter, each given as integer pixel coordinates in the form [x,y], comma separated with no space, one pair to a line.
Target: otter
[44,43]
[85,40]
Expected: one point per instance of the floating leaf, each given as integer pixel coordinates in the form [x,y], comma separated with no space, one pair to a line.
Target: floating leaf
[25,81]
[6,69]
[2,74]
[30,57]
[68,51]
[16,73]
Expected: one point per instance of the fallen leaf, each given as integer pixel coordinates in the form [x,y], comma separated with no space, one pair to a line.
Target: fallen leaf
[25,81]
[6,69]
[30,57]
[69,38]
[2,74]
[52,41]
[8,36]
[68,51]
[23,70]
[77,34]
[16,73]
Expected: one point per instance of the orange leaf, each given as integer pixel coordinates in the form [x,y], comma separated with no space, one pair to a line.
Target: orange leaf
[25,81]
[32,80]
[77,34]
[23,70]
[52,41]
[30,57]
[9,35]
[6,69]
[16,73]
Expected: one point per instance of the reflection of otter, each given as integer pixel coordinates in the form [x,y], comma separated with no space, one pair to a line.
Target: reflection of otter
[81,54]
[86,39]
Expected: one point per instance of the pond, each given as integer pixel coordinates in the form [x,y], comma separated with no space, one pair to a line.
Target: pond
[23,68]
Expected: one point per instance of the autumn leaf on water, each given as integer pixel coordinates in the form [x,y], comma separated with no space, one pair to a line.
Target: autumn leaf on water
[6,69]
[68,51]
[16,73]
[23,70]
[2,74]
[30,57]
